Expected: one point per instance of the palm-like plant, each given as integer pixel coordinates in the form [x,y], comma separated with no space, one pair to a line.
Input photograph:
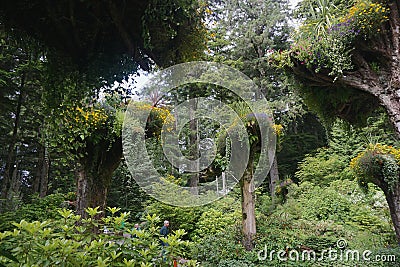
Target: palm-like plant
[322,15]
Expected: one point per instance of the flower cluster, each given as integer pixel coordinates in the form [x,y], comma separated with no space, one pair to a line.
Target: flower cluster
[366,16]
[160,113]
[79,123]
[377,149]
[278,128]
[76,127]
[84,117]
[344,29]
[157,117]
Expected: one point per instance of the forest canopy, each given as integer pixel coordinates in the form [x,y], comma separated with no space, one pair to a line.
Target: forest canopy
[108,39]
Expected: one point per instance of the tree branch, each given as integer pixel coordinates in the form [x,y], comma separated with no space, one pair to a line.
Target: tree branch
[126,37]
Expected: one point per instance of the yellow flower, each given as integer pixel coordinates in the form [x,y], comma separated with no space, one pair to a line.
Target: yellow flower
[278,128]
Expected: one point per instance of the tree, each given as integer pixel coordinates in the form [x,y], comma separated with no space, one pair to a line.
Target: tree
[243,35]
[86,45]
[91,136]
[351,68]
[356,59]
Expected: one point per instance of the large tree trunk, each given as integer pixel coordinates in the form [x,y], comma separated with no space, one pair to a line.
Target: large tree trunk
[15,183]
[391,102]
[92,189]
[248,207]
[393,200]
[93,175]
[36,181]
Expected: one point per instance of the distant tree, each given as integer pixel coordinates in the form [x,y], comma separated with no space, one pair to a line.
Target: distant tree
[24,160]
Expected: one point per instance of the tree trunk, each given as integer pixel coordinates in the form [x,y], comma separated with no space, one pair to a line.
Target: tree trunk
[82,187]
[44,175]
[93,175]
[392,104]
[194,146]
[92,189]
[40,184]
[392,196]
[248,207]
[274,177]
[15,183]
[393,200]
[39,166]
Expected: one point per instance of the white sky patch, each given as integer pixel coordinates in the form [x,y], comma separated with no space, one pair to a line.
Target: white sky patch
[293,3]
[142,80]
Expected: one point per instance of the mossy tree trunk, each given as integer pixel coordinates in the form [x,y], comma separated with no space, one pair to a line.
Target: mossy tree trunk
[93,174]
[248,207]
[392,195]
[393,200]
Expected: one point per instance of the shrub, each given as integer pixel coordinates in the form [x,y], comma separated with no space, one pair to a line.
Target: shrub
[72,241]
[39,209]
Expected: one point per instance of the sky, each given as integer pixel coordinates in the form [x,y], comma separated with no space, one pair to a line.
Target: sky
[293,3]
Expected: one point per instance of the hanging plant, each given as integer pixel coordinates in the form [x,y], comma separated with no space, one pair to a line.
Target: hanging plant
[378,163]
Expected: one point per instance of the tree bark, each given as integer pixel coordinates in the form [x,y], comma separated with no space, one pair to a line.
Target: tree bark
[274,177]
[40,184]
[15,184]
[93,175]
[248,207]
[44,174]
[194,146]
[392,104]
[393,200]
[39,166]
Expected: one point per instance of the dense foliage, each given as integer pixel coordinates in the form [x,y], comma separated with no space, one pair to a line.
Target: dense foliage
[70,241]
[312,218]
[106,41]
